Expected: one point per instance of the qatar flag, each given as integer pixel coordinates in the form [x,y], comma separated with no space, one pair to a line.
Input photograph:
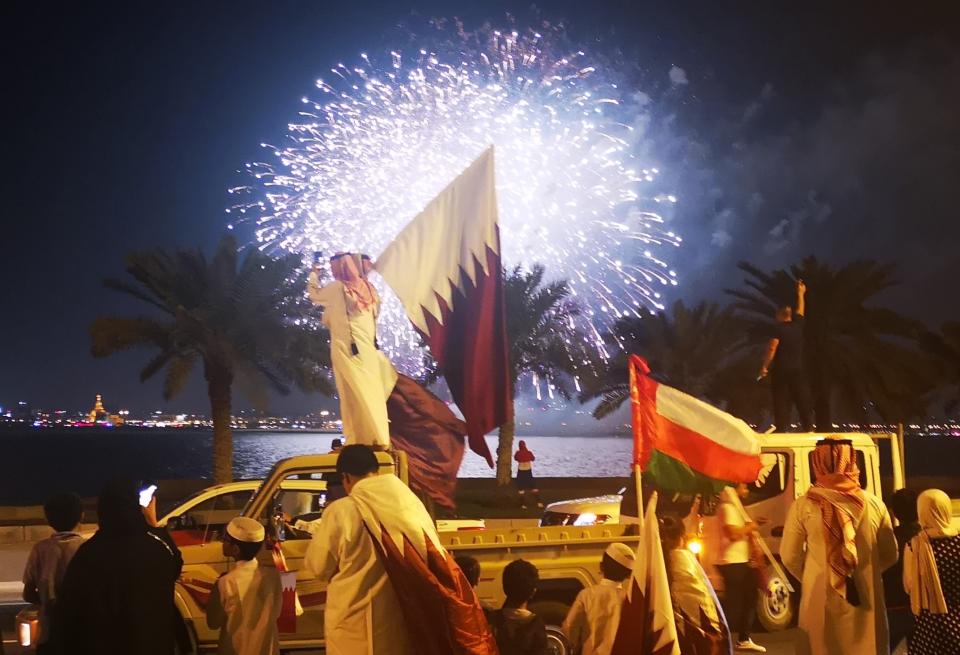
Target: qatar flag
[445,268]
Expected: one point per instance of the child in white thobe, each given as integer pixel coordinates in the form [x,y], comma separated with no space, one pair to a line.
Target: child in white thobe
[246,601]
[591,624]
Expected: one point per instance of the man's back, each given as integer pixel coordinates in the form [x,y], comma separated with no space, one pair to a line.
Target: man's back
[789,355]
[44,573]
[363,615]
[519,632]
[592,621]
[118,595]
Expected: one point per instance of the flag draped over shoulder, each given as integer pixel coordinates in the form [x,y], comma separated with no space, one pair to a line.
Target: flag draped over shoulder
[445,268]
[441,610]
[685,444]
[422,426]
[647,625]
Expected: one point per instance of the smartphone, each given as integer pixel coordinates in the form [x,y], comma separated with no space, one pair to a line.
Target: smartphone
[317,257]
[146,495]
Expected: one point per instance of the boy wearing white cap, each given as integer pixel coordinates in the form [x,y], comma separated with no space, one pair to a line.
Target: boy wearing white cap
[246,601]
[591,624]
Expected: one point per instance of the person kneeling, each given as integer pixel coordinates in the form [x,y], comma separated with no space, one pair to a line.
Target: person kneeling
[246,601]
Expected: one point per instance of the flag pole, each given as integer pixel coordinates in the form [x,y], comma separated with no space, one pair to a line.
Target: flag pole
[636,474]
[635,420]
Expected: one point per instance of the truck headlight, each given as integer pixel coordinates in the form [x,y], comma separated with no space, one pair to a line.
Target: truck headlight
[587,518]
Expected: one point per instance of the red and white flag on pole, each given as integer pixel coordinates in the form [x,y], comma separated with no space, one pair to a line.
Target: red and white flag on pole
[647,625]
[445,268]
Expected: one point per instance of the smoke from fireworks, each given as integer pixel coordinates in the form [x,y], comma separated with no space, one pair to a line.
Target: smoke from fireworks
[385,135]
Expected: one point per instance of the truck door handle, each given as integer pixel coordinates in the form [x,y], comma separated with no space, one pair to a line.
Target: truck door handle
[777,532]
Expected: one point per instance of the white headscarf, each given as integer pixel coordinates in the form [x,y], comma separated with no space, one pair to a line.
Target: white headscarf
[920,576]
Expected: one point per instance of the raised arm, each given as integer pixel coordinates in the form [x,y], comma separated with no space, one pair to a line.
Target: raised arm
[801,298]
[320,294]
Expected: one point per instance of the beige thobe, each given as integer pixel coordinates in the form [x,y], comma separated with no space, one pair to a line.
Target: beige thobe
[362,615]
[591,624]
[365,380]
[828,624]
[245,605]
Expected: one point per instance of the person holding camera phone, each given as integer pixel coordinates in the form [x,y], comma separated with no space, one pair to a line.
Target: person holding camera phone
[117,594]
[363,375]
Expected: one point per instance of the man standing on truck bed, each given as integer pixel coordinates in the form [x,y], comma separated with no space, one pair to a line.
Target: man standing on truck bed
[784,362]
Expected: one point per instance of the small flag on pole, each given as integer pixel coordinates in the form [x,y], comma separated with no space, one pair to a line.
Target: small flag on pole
[647,625]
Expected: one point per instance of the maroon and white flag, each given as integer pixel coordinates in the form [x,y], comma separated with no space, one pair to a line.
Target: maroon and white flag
[647,625]
[445,268]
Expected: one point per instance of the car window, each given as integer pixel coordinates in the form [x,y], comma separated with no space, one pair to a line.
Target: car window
[301,510]
[774,472]
[205,521]
[861,464]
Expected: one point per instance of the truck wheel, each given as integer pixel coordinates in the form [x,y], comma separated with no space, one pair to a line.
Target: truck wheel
[186,640]
[775,606]
[552,613]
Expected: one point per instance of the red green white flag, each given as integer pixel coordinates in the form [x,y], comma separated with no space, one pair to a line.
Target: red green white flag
[684,444]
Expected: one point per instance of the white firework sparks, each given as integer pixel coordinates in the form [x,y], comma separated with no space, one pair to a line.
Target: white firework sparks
[381,141]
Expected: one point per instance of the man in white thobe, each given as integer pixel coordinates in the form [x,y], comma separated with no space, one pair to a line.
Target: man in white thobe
[363,375]
[839,614]
[362,615]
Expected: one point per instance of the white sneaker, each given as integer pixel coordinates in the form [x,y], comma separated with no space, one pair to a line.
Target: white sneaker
[750,646]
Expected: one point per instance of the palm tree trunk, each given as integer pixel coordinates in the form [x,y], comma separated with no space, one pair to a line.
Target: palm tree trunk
[505,454]
[219,381]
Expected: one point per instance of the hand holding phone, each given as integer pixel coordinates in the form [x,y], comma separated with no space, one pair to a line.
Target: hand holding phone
[146,494]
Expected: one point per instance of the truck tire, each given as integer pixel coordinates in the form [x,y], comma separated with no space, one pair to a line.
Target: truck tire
[776,607]
[552,613]
[186,641]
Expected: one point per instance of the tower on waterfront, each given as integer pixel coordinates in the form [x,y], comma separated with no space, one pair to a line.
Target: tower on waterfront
[100,415]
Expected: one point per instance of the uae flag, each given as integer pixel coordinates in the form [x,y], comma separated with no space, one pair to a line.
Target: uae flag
[445,268]
[647,625]
[684,444]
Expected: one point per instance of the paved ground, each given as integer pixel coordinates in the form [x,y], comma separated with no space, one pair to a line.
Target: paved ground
[779,643]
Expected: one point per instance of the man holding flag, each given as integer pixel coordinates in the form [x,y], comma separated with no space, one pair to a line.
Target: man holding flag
[393,589]
[682,444]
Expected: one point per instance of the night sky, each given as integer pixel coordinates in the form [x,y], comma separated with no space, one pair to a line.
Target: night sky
[786,132]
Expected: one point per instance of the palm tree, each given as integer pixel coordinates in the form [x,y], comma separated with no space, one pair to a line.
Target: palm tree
[241,318]
[542,340]
[698,350]
[945,348]
[859,360]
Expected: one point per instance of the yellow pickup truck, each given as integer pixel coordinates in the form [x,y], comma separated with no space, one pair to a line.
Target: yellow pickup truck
[568,557]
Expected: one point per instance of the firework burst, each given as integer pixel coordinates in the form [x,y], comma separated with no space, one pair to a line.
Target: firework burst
[385,135]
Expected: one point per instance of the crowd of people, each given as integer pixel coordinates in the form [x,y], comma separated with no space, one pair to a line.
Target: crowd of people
[866,585]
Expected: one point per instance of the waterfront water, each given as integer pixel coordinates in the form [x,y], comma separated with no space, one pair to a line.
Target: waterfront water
[34,463]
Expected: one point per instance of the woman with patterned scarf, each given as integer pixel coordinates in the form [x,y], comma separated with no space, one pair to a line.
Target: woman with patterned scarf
[931,575]
[838,540]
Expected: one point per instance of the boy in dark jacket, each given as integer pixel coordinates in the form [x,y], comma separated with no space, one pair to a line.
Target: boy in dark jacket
[519,631]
